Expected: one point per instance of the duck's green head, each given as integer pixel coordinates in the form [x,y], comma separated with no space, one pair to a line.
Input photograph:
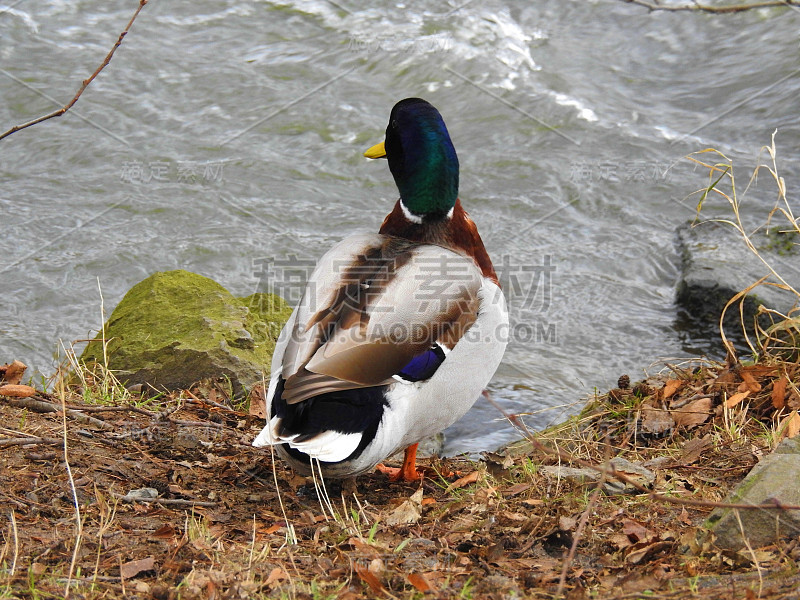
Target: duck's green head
[421,157]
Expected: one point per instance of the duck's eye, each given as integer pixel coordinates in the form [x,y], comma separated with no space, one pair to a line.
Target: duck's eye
[394,123]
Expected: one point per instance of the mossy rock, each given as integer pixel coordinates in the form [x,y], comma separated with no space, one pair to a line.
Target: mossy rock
[176,328]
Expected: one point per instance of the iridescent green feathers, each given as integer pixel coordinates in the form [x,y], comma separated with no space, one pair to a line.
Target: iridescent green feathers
[422,159]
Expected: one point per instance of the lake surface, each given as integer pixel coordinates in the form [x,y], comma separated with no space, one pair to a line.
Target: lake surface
[228,135]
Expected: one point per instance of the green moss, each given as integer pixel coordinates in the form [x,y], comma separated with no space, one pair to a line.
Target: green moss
[177,327]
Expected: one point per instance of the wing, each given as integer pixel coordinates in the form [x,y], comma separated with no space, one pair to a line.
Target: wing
[373,304]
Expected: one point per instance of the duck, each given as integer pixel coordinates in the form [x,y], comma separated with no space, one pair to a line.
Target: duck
[398,332]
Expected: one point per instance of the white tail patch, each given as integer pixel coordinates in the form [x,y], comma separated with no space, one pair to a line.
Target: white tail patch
[327,446]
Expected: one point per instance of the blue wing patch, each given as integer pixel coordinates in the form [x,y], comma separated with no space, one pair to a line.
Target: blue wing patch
[424,365]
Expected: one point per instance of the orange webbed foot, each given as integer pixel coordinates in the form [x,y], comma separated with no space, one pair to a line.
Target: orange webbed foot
[408,472]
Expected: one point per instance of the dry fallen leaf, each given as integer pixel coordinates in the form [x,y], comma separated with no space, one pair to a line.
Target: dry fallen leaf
[408,512]
[461,482]
[693,449]
[790,426]
[369,578]
[656,420]
[670,387]
[736,398]
[134,567]
[258,402]
[420,582]
[641,554]
[636,531]
[16,391]
[277,574]
[779,392]
[165,532]
[749,382]
[567,523]
[517,488]
[693,414]
[12,372]
[620,541]
[274,528]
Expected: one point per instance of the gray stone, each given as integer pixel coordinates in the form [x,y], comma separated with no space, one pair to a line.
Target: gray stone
[776,478]
[717,265]
[176,328]
[142,493]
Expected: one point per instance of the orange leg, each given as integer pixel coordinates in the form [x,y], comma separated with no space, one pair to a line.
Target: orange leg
[408,472]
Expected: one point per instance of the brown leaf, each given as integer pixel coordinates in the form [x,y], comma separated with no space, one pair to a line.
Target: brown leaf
[725,378]
[656,420]
[408,512]
[420,582]
[790,426]
[640,554]
[636,531]
[567,523]
[165,532]
[692,414]
[779,392]
[760,370]
[517,488]
[12,372]
[693,449]
[461,482]
[258,401]
[134,567]
[17,391]
[369,578]
[749,382]
[670,387]
[736,398]
[277,574]
[620,541]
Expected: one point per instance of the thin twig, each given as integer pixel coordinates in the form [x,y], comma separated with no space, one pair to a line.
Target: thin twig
[164,501]
[43,406]
[84,84]
[134,409]
[13,520]
[697,7]
[29,440]
[195,399]
[210,424]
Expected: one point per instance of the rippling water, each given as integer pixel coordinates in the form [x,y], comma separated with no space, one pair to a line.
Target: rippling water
[227,132]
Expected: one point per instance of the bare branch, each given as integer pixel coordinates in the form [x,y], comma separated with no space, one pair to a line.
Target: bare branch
[85,82]
[697,7]
[164,501]
[28,440]
[43,406]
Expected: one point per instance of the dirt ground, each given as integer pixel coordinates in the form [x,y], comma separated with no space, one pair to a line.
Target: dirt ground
[166,499]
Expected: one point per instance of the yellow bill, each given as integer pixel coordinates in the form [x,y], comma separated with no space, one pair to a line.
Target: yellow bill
[377,151]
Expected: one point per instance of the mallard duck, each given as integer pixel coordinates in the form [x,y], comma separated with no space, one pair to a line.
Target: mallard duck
[398,332]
